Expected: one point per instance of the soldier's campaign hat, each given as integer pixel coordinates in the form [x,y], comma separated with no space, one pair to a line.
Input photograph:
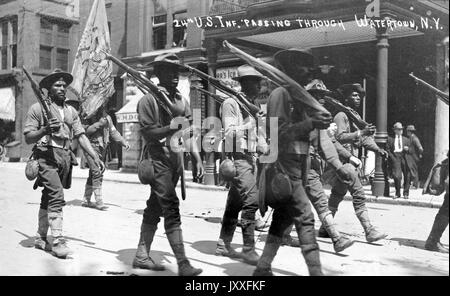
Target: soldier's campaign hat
[56,75]
[302,57]
[317,86]
[164,59]
[411,128]
[347,89]
[398,125]
[247,71]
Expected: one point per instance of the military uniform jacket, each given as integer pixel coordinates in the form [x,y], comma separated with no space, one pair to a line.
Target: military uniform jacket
[349,136]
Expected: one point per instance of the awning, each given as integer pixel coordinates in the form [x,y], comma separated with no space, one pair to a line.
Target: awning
[326,36]
[128,113]
[7,104]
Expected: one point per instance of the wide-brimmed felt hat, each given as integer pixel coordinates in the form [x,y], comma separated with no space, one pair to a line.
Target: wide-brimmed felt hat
[347,89]
[164,59]
[411,128]
[317,86]
[246,71]
[398,125]
[301,57]
[56,75]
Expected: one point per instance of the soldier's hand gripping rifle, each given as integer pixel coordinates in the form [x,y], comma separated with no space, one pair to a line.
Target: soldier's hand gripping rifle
[43,100]
[441,95]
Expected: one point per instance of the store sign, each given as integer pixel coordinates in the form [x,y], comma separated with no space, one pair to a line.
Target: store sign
[127,117]
[226,75]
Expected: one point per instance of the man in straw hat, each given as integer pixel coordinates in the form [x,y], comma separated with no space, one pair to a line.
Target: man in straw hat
[155,128]
[241,145]
[285,178]
[352,139]
[400,160]
[52,150]
[416,152]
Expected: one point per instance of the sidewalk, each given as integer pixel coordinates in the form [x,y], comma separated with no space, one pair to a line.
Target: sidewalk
[415,199]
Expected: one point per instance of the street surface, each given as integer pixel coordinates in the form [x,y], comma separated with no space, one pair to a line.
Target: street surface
[105,242]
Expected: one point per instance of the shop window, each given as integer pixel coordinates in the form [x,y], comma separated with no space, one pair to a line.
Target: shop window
[159,32]
[55,45]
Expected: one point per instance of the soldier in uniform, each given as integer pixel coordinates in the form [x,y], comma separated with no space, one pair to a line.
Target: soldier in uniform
[285,178]
[441,220]
[241,134]
[351,139]
[166,164]
[99,130]
[52,150]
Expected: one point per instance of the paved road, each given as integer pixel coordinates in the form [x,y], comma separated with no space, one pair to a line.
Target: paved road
[105,242]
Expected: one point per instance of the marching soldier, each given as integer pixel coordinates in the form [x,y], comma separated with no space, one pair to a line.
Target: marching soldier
[99,130]
[441,220]
[285,178]
[166,164]
[52,150]
[351,139]
[243,194]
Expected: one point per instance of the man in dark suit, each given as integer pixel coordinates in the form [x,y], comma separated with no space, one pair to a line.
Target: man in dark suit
[400,160]
[416,151]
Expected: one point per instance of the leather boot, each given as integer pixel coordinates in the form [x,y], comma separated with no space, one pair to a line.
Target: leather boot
[88,190]
[248,253]
[142,258]
[185,268]
[323,233]
[59,247]
[264,266]
[288,240]
[340,243]
[432,243]
[99,205]
[312,259]
[372,235]
[41,241]
[226,236]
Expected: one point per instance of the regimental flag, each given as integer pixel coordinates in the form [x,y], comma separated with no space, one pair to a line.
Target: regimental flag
[93,81]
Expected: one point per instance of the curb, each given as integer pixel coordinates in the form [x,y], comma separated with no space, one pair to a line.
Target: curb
[427,203]
[399,201]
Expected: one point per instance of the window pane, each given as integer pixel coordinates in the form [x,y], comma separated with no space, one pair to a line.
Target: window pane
[4,58]
[14,55]
[62,59]
[45,57]
[4,28]
[159,37]
[14,30]
[46,32]
[63,35]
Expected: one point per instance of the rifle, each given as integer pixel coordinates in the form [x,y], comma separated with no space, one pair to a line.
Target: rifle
[248,107]
[296,91]
[441,95]
[43,100]
[216,97]
[145,83]
[352,114]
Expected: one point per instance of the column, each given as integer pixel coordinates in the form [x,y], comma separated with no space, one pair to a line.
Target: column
[379,186]
[441,125]
[210,166]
